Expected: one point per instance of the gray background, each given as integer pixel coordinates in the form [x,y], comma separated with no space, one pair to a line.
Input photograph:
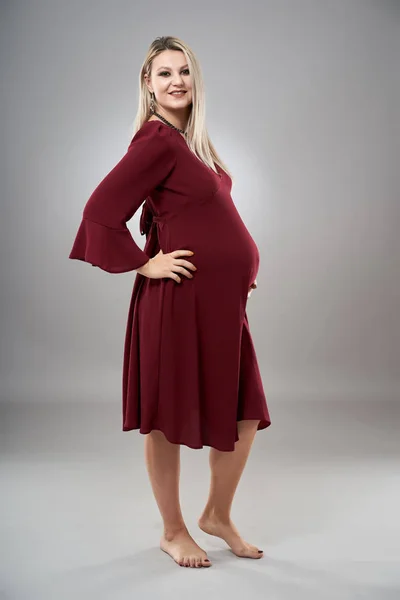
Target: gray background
[302,104]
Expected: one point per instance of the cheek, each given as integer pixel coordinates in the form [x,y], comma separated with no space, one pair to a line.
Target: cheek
[161,89]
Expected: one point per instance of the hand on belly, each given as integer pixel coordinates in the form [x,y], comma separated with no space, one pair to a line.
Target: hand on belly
[251,288]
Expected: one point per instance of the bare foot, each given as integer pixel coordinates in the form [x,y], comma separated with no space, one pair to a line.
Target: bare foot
[228,532]
[184,550]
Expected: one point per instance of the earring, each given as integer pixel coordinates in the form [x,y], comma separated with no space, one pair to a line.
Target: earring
[152,105]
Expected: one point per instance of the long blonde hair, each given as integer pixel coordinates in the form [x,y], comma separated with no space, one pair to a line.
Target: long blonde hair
[197,137]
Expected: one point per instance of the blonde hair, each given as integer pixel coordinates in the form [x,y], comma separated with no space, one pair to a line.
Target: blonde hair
[197,137]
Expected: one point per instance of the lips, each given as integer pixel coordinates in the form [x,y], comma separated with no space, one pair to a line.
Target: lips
[178,92]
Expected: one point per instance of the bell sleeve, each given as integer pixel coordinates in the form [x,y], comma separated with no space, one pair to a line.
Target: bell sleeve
[103,238]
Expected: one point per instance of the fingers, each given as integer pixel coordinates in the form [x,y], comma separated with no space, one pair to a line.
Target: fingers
[179,265]
[185,263]
[177,268]
[176,253]
[182,261]
[251,288]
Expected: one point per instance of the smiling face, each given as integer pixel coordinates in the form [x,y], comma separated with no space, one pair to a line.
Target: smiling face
[169,73]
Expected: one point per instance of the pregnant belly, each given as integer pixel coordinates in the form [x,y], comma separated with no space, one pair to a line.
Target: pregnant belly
[222,245]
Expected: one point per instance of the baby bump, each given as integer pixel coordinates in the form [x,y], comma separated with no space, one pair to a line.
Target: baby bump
[222,244]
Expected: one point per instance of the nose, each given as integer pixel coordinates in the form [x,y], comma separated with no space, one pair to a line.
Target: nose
[177,80]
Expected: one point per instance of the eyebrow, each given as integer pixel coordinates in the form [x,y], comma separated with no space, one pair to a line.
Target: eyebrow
[169,68]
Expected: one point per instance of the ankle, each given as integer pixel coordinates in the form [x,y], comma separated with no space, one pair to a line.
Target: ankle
[217,514]
[172,531]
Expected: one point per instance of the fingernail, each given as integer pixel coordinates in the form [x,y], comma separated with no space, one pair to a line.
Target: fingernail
[260,551]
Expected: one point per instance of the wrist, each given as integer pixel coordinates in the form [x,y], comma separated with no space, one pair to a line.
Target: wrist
[143,268]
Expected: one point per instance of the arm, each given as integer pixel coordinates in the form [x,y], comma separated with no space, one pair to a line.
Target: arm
[103,239]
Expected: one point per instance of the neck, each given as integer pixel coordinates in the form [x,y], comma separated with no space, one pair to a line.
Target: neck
[177,119]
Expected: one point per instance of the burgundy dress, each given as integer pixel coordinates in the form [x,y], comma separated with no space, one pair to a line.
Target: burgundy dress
[190,369]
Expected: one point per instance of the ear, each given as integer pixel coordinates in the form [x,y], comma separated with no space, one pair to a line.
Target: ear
[146,80]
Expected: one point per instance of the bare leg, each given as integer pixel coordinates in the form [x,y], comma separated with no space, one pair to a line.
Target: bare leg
[226,470]
[163,465]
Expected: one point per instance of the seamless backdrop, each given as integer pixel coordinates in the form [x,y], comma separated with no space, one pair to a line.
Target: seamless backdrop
[302,103]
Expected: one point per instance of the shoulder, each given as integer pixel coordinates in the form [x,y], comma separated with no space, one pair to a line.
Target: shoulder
[153,147]
[154,132]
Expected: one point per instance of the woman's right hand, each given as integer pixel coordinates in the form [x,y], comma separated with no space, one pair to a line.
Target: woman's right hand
[168,265]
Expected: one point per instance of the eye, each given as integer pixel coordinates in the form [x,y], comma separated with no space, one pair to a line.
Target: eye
[167,72]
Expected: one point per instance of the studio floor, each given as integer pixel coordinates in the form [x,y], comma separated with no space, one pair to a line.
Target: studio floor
[320,495]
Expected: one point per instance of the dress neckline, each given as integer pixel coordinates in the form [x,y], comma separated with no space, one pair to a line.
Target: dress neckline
[218,174]
[165,125]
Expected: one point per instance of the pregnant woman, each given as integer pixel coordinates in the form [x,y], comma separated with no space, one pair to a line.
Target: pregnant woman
[190,372]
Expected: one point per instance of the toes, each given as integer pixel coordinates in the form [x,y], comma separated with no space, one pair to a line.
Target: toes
[247,552]
[196,562]
[193,561]
[254,550]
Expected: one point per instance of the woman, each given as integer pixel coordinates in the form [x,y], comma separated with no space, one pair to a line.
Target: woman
[190,373]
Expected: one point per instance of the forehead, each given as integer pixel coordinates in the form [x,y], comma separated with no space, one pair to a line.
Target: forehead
[170,59]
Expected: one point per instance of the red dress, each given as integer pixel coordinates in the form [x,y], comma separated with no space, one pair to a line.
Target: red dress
[190,368]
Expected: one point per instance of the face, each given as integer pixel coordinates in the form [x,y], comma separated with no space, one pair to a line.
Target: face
[169,72]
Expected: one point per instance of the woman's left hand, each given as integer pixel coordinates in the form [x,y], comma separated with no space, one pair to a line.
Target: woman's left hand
[251,288]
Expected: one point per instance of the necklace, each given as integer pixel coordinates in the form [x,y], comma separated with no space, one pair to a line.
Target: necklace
[168,123]
[177,129]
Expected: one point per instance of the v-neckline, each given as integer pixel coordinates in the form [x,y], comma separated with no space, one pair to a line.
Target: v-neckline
[219,175]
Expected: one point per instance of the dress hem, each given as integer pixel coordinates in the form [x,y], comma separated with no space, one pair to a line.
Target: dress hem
[263,424]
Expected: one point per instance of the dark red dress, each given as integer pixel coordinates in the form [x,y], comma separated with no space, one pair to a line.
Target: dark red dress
[190,368]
